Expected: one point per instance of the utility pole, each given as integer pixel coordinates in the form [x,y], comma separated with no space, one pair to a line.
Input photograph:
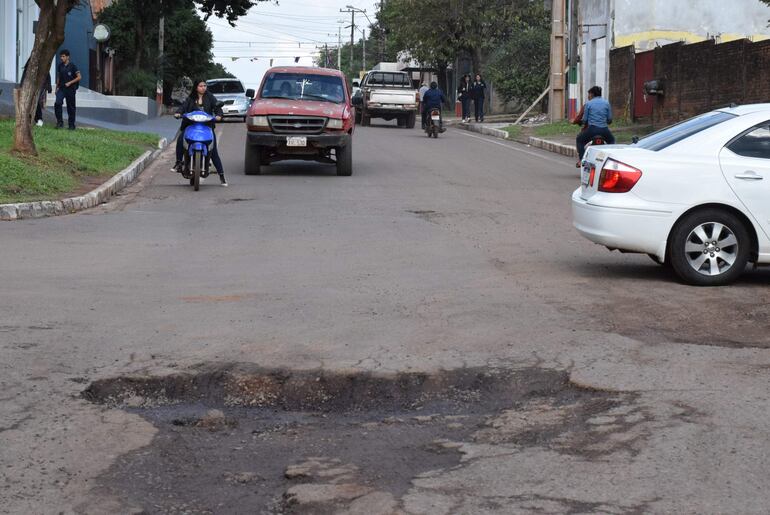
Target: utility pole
[363,39]
[556,102]
[159,85]
[573,56]
[339,48]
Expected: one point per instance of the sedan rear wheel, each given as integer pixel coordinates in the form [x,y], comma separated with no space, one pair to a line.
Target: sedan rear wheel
[709,248]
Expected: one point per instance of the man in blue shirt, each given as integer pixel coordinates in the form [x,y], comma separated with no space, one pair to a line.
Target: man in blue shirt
[597,115]
[67,78]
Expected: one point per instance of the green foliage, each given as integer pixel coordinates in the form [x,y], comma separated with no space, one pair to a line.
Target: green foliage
[137,82]
[65,159]
[188,42]
[519,66]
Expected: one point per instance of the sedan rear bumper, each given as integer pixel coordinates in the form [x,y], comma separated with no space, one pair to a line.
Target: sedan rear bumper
[630,230]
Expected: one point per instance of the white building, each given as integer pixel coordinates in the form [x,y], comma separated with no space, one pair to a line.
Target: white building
[17,19]
[607,24]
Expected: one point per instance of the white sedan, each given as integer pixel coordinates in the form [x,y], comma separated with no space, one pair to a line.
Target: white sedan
[695,196]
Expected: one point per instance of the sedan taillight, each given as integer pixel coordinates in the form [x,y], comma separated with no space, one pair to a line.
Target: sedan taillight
[617,177]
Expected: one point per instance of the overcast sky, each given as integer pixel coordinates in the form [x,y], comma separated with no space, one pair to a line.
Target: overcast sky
[293,28]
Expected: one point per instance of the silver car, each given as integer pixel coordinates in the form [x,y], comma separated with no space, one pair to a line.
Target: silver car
[232,93]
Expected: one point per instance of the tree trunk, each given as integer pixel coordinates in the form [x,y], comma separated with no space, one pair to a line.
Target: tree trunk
[441,72]
[50,34]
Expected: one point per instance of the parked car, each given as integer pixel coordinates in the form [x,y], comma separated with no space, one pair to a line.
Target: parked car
[300,113]
[387,95]
[695,196]
[231,93]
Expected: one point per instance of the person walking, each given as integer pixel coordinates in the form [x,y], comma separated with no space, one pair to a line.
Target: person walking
[479,92]
[45,88]
[67,79]
[464,94]
[422,90]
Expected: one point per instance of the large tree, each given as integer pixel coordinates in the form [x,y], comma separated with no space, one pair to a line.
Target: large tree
[188,43]
[50,35]
[436,32]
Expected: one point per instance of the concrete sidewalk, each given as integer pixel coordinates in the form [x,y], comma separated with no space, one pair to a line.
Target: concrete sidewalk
[559,145]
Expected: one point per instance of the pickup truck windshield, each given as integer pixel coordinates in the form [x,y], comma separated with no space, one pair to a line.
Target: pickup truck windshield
[296,86]
[388,79]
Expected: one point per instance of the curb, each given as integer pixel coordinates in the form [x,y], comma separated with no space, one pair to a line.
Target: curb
[550,146]
[497,133]
[95,197]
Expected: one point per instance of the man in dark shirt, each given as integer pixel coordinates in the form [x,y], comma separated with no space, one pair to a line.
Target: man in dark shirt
[433,99]
[67,78]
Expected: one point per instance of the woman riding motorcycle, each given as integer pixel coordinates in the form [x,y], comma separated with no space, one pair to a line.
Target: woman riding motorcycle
[199,100]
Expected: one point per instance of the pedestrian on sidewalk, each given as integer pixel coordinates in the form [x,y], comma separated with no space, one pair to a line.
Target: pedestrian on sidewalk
[423,89]
[67,82]
[479,92]
[200,99]
[464,94]
[45,88]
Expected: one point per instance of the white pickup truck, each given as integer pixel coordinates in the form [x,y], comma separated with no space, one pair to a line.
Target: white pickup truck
[387,95]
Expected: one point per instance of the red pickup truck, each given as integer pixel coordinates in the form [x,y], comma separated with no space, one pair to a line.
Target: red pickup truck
[300,113]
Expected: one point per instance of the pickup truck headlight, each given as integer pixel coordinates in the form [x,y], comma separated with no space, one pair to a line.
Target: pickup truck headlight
[259,121]
[334,123]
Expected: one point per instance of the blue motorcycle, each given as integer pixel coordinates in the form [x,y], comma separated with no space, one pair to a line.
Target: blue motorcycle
[198,139]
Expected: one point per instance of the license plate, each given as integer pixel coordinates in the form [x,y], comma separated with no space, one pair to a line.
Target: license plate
[296,141]
[435,118]
[585,174]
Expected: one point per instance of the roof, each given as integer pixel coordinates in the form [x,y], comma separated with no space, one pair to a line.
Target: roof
[312,70]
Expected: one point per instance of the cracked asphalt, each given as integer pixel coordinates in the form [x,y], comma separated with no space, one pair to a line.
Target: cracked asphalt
[436,255]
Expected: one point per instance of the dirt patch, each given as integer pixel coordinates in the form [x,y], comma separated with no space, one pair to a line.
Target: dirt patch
[242,438]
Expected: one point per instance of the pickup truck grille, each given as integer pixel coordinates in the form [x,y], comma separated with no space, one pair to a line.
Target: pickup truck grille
[297,124]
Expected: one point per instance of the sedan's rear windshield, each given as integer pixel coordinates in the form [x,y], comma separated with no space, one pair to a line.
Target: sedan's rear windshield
[225,86]
[676,133]
[302,86]
[390,79]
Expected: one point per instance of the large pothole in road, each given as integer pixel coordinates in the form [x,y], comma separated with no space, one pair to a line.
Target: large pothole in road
[243,439]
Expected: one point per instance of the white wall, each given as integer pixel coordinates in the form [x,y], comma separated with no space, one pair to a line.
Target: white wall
[652,22]
[15,47]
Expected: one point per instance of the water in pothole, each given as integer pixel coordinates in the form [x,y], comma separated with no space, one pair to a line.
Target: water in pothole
[245,440]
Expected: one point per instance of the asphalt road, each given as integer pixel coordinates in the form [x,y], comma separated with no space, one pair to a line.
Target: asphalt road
[436,255]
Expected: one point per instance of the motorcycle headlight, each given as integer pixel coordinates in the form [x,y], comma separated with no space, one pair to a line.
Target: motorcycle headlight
[334,123]
[199,118]
[258,121]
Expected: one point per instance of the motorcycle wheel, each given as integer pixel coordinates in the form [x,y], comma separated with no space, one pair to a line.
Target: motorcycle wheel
[197,167]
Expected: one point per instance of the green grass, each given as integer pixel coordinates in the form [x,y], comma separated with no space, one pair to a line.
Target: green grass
[563,128]
[65,158]
[514,131]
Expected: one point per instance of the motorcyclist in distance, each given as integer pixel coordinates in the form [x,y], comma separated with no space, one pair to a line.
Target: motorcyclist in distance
[433,99]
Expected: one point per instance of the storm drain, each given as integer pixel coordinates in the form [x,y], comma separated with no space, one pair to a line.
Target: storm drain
[245,439]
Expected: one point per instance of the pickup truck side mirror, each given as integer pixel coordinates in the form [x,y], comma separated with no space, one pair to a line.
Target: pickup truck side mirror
[250,93]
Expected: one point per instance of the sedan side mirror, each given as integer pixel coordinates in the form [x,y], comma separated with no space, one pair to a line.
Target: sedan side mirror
[635,140]
[250,93]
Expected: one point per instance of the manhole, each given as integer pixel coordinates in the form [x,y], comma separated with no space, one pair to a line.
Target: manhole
[245,439]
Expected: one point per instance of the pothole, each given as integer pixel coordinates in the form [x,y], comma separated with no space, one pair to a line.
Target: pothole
[240,438]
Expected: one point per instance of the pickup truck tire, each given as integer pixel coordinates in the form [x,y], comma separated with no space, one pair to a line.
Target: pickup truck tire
[401,121]
[345,159]
[411,119]
[251,157]
[366,120]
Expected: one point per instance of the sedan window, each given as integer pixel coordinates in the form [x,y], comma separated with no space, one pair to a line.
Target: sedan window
[676,133]
[755,143]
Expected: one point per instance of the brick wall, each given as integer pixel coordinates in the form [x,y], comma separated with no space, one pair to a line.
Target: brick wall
[697,78]
[622,84]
